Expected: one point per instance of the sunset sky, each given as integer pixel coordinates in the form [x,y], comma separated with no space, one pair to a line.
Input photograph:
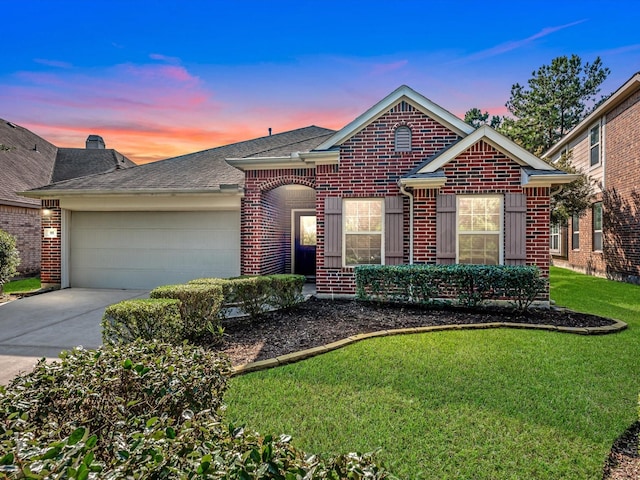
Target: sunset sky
[157,79]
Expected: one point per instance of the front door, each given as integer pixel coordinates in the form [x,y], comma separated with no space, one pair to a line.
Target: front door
[304,244]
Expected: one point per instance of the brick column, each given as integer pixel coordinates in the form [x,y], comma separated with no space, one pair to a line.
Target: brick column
[51,258]
[251,232]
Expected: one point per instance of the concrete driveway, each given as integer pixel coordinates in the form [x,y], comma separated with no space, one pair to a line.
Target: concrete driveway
[44,325]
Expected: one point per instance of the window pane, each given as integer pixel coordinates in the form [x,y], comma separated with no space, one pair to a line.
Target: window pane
[597,216]
[363,249]
[597,241]
[308,230]
[595,135]
[595,155]
[363,215]
[479,249]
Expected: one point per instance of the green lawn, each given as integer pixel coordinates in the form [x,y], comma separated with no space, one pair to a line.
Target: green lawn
[487,404]
[21,286]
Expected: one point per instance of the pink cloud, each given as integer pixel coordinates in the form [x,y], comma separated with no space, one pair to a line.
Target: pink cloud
[164,58]
[53,63]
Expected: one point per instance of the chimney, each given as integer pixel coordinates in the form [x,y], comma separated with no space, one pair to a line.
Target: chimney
[95,141]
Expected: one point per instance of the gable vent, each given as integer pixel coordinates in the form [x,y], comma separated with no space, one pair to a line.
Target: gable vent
[403,139]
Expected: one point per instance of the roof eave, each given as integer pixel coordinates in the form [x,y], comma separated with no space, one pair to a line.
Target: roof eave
[497,141]
[547,180]
[267,163]
[426,183]
[48,194]
[402,93]
[618,96]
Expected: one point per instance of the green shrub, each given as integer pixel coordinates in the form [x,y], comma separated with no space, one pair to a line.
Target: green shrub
[9,257]
[110,392]
[147,411]
[252,294]
[200,306]
[286,290]
[468,285]
[148,318]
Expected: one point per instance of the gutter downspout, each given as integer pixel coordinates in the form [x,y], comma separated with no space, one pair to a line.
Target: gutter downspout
[410,195]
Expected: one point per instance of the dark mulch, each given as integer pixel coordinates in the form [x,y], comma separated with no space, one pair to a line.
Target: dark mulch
[624,461]
[320,321]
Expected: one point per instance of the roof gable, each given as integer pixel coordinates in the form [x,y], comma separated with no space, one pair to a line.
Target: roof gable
[408,95]
[493,138]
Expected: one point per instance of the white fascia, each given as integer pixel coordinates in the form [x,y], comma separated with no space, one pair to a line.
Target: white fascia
[547,180]
[433,182]
[497,141]
[412,97]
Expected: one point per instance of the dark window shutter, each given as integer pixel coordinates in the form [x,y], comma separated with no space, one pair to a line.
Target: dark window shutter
[515,229]
[333,232]
[446,229]
[393,230]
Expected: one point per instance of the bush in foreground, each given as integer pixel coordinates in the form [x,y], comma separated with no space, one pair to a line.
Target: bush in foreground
[146,411]
[9,257]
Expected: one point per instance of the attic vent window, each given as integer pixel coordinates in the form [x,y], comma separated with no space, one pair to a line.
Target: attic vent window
[403,139]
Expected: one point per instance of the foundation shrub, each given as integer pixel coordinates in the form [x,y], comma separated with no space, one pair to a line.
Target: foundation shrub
[468,285]
[144,410]
[285,290]
[200,306]
[149,319]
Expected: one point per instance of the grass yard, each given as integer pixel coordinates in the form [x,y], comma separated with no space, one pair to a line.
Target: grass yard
[21,286]
[487,404]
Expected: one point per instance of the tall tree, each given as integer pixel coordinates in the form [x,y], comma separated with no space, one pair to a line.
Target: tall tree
[476,118]
[557,99]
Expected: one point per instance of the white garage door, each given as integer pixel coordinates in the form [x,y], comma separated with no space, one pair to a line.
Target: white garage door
[147,249]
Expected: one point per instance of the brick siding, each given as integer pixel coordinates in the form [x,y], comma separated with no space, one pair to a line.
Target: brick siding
[24,224]
[51,272]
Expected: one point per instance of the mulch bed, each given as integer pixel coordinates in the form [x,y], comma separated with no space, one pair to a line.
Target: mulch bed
[318,322]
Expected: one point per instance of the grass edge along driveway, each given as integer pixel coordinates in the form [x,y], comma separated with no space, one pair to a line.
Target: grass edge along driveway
[487,404]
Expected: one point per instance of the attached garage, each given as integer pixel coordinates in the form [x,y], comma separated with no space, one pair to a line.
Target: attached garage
[141,250]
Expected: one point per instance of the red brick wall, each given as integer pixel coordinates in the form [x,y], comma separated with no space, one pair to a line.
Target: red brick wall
[622,191]
[370,167]
[50,273]
[261,232]
[24,224]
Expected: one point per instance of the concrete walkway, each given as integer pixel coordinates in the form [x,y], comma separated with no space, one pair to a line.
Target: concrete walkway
[44,325]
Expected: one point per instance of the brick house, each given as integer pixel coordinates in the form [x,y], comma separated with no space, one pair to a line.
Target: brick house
[605,240]
[29,161]
[405,182]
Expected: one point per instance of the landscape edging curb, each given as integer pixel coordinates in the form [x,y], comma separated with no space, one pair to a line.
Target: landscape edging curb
[617,326]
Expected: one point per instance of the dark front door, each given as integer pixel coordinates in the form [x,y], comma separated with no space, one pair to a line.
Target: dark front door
[304,248]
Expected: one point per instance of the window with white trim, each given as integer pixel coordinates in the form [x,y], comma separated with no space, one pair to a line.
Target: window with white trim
[479,229]
[554,238]
[363,231]
[597,226]
[594,145]
[403,139]
[575,232]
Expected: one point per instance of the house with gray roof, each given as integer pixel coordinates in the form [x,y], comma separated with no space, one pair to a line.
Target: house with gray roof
[405,182]
[28,161]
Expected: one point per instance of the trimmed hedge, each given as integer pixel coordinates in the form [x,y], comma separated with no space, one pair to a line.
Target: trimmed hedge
[255,295]
[200,306]
[148,318]
[467,285]
[143,411]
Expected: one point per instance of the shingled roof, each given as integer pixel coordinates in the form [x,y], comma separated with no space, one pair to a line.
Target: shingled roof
[80,162]
[201,171]
[26,161]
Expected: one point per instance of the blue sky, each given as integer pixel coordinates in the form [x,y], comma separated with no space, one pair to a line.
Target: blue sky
[158,79]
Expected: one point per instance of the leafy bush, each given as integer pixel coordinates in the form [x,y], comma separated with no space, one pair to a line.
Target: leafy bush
[286,290]
[143,410]
[148,318]
[200,306]
[468,285]
[9,257]
[254,295]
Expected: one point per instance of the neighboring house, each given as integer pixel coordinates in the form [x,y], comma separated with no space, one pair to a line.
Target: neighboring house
[606,146]
[405,182]
[28,161]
